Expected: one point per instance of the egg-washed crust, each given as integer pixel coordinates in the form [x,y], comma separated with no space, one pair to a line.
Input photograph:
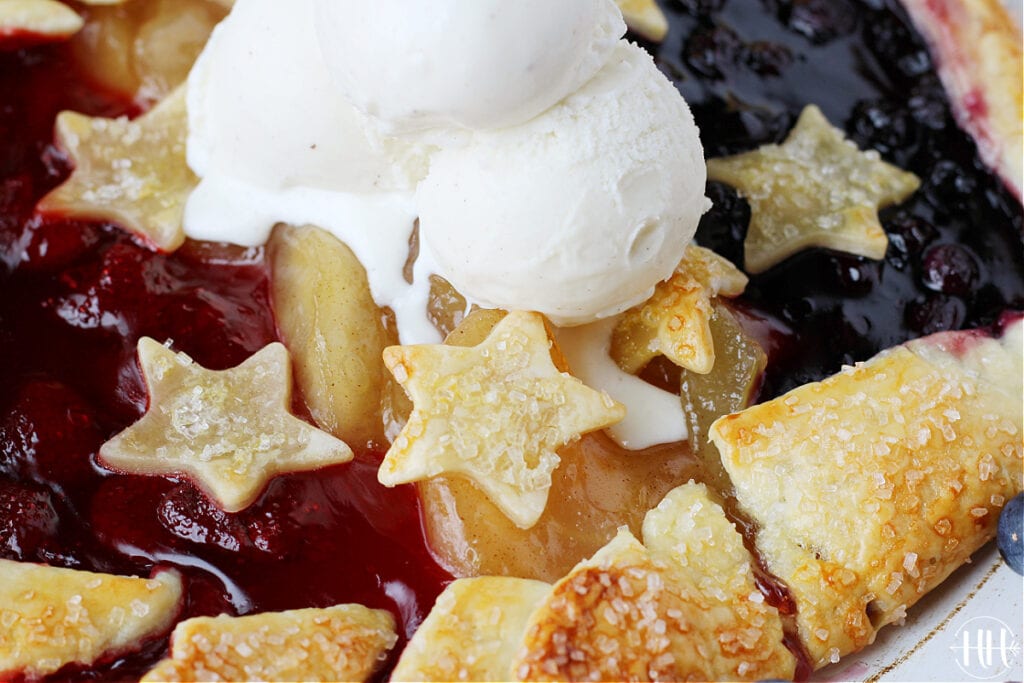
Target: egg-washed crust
[676,320]
[977,49]
[340,643]
[51,616]
[683,608]
[473,631]
[872,486]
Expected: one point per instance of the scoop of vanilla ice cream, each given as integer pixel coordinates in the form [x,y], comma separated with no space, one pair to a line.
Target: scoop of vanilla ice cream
[263,110]
[480,64]
[579,212]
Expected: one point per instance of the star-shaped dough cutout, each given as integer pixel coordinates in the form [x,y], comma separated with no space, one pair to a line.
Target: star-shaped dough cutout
[814,190]
[51,616]
[676,320]
[30,22]
[340,643]
[229,430]
[129,172]
[495,412]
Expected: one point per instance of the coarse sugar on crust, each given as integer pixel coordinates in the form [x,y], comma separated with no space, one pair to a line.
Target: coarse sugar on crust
[659,613]
[473,631]
[872,486]
[51,616]
[339,643]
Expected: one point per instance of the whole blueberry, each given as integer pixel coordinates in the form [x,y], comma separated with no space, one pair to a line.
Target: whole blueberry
[1011,533]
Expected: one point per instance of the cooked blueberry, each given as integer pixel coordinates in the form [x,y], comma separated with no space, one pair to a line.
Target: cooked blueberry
[1011,533]
[854,276]
[950,186]
[935,313]
[896,46]
[819,20]
[909,234]
[884,126]
[950,269]
[700,8]
[768,59]
[711,51]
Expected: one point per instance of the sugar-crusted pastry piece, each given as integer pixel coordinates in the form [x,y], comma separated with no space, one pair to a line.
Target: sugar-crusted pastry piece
[645,17]
[473,631]
[495,412]
[340,643]
[675,321]
[50,616]
[683,608]
[130,172]
[816,189]
[229,430]
[874,485]
[977,50]
[28,22]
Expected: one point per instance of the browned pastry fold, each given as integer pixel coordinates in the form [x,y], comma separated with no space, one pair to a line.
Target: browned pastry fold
[339,643]
[51,616]
[977,49]
[872,486]
[682,607]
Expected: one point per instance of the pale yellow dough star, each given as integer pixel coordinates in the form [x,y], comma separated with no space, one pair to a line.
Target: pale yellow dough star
[495,412]
[229,430]
[129,172]
[814,190]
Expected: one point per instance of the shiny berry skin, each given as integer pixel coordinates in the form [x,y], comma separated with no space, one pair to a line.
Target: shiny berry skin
[950,269]
[28,522]
[1011,533]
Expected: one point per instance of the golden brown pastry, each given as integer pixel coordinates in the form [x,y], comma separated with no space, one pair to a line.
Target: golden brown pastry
[50,617]
[872,486]
[340,643]
[977,50]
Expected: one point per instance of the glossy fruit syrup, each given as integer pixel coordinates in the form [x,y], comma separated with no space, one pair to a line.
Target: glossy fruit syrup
[955,257]
[74,298]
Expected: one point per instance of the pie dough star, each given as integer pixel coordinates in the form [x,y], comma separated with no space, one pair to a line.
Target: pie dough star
[676,320]
[229,430]
[814,190]
[494,412]
[132,173]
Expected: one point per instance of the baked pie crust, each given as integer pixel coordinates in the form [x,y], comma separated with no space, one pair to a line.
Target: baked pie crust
[977,49]
[340,643]
[915,450]
[871,487]
[50,616]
